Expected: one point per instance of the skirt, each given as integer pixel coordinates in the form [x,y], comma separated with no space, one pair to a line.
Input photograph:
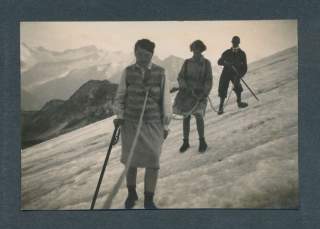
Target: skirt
[184,103]
[149,145]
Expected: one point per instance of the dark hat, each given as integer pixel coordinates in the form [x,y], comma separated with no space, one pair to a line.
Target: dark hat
[235,39]
[145,44]
[198,44]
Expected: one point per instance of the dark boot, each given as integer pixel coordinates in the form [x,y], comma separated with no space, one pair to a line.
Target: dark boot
[203,145]
[148,201]
[220,111]
[184,146]
[241,104]
[132,197]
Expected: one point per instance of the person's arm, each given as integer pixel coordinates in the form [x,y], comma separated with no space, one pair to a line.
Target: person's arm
[244,66]
[119,101]
[166,103]
[208,80]
[223,60]
[181,77]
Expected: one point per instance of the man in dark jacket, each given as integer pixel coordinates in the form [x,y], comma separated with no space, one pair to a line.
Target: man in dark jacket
[235,67]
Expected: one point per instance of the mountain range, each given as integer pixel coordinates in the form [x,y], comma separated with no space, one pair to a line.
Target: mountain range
[90,103]
[47,74]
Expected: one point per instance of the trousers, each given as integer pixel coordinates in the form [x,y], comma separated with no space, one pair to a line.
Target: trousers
[224,85]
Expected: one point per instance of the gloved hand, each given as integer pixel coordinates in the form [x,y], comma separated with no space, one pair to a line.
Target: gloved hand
[165,134]
[174,89]
[118,122]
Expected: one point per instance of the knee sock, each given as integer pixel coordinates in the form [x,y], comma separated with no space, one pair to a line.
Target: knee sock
[186,127]
[221,102]
[238,97]
[200,126]
[131,177]
[150,180]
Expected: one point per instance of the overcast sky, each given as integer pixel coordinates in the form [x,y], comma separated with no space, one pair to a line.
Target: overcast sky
[258,38]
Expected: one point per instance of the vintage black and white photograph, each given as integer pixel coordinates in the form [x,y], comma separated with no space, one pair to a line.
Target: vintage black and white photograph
[159,115]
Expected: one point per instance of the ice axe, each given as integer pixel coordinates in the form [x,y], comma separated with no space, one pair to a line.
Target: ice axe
[114,140]
[236,71]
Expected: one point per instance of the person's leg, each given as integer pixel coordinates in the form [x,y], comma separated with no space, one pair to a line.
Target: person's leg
[238,90]
[131,178]
[220,111]
[150,182]
[200,127]
[186,127]
[150,179]
[222,91]
[186,131]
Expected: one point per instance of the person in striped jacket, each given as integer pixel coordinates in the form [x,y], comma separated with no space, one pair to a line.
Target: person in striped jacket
[136,79]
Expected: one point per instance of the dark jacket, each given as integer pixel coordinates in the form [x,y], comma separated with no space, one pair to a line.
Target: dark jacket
[238,59]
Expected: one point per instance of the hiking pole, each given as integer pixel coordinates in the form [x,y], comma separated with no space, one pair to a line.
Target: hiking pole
[236,71]
[114,140]
[249,89]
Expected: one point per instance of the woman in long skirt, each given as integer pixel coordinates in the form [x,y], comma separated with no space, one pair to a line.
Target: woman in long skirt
[195,83]
[135,81]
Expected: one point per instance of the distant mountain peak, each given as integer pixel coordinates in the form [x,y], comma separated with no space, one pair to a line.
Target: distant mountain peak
[172,57]
[88,87]
[91,83]
[41,48]
[88,48]
[52,103]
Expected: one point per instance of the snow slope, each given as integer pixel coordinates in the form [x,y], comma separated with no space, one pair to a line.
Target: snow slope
[251,162]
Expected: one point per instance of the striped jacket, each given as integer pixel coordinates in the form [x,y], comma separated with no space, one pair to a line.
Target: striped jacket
[131,91]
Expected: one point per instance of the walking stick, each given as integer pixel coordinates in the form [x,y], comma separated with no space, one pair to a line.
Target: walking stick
[249,89]
[236,71]
[114,139]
